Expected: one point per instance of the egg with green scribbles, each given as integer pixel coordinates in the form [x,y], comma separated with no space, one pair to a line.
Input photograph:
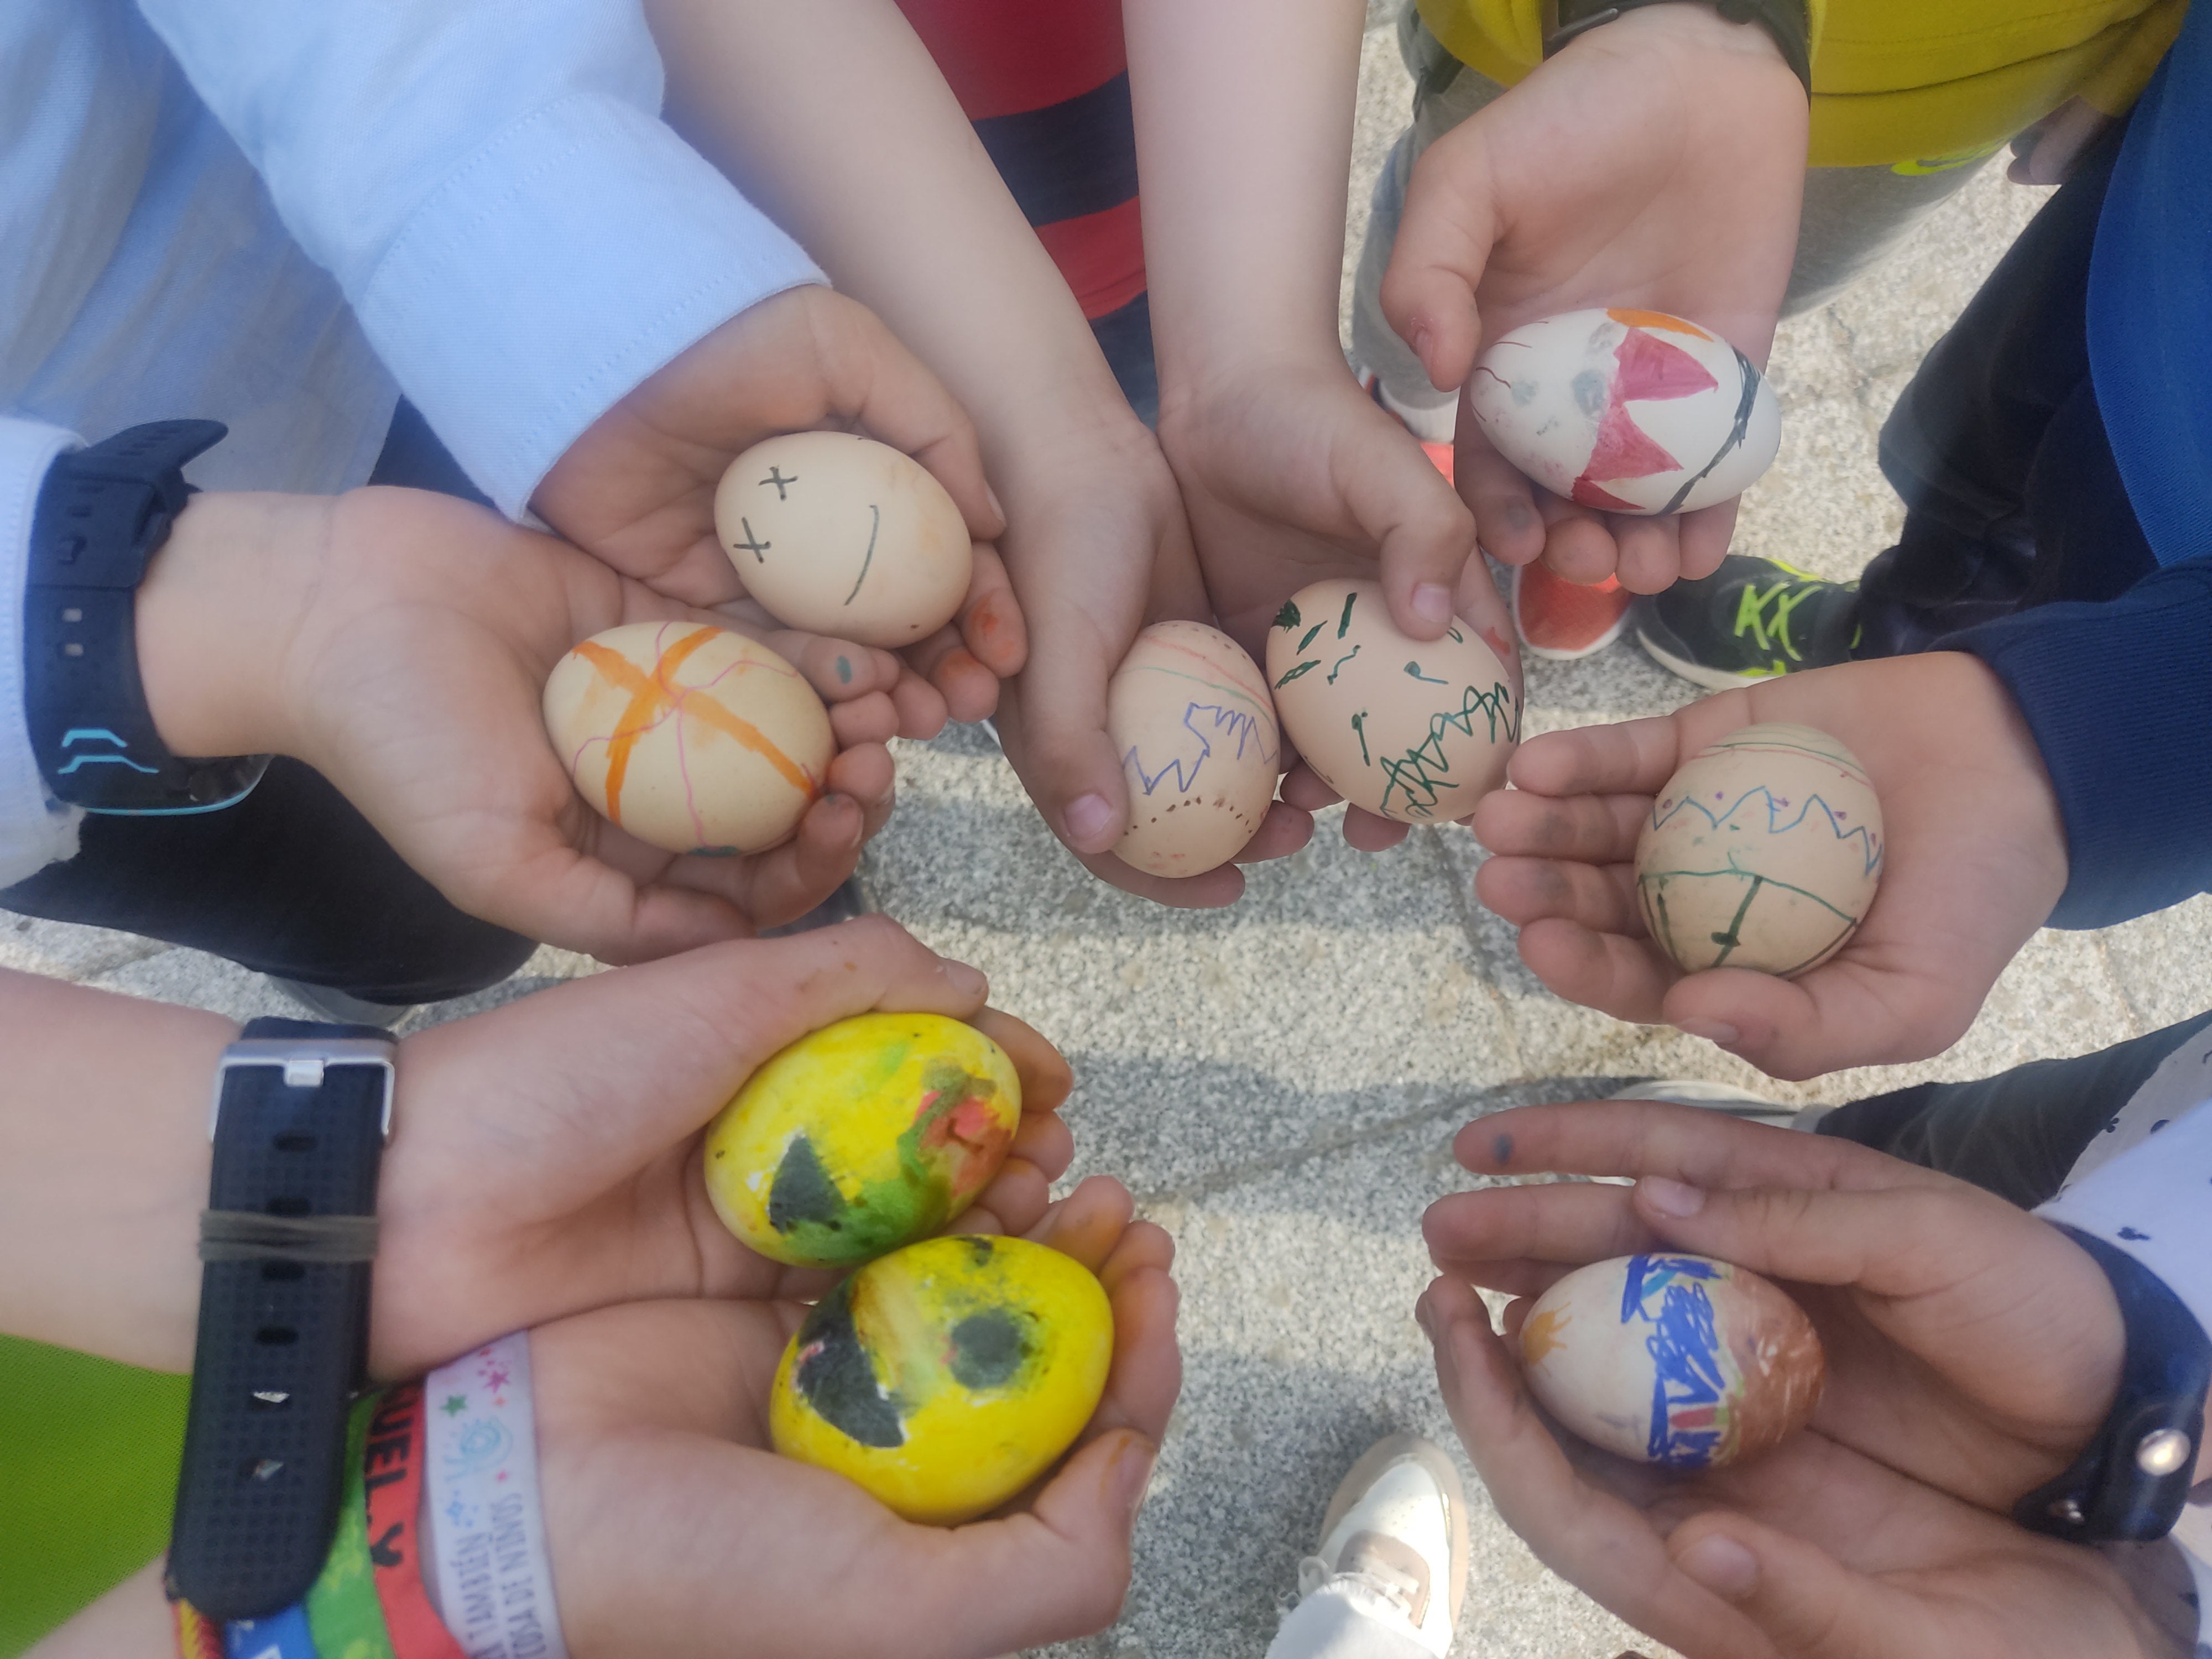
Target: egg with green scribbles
[860,1137]
[945,1377]
[1763,851]
[1415,729]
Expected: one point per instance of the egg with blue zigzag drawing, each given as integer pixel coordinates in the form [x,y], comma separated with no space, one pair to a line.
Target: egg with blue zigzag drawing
[1764,851]
[1190,714]
[1678,1360]
[1631,412]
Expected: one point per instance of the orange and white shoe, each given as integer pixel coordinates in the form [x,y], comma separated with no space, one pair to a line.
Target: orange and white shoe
[1435,427]
[1563,620]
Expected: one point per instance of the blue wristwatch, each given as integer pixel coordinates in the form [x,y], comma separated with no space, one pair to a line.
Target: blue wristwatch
[102,514]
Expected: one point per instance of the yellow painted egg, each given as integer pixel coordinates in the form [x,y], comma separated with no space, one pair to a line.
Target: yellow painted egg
[1632,411]
[693,739]
[946,1376]
[863,1136]
[1415,729]
[842,535]
[1763,851]
[1190,711]
[1680,1360]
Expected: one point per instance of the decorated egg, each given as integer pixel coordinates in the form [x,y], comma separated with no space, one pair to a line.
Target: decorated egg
[1415,730]
[1190,711]
[839,534]
[945,1377]
[1633,411]
[1674,1359]
[1762,852]
[860,1137]
[693,739]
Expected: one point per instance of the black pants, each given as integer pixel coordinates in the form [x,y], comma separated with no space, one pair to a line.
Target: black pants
[2016,1133]
[2011,496]
[292,881]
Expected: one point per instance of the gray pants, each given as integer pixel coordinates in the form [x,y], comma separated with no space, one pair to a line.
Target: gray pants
[1853,216]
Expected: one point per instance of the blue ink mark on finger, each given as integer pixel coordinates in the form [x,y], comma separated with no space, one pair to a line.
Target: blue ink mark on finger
[844,672]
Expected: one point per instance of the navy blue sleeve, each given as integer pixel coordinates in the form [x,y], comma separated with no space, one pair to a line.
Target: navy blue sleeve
[2119,696]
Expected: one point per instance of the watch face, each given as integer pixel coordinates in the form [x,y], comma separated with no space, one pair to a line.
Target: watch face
[183,786]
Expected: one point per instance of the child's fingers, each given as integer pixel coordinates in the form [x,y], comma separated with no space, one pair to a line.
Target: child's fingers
[1089,1222]
[1445,237]
[1626,978]
[1046,1077]
[1583,829]
[1648,552]
[1498,493]
[991,621]
[1281,833]
[1600,897]
[870,718]
[1370,832]
[922,710]
[1704,536]
[1571,1223]
[1578,541]
[1633,757]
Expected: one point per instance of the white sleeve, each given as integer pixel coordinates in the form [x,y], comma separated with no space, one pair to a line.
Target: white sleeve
[521,236]
[2154,1201]
[35,830]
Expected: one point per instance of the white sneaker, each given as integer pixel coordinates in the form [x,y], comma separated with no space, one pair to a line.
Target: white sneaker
[1432,422]
[1396,1533]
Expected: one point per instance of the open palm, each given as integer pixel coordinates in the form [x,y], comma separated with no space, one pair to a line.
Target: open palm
[1657,161]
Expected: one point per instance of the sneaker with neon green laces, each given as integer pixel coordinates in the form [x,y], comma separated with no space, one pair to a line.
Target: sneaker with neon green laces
[1752,619]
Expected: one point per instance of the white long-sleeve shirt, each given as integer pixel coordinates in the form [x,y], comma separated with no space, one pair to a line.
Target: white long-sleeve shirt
[278,216]
[2145,1187]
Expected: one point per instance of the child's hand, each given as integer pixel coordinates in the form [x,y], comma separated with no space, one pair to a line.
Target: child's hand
[1099,548]
[1975,859]
[545,1158]
[398,642]
[1658,161]
[637,489]
[1291,474]
[671,1525]
[1972,1351]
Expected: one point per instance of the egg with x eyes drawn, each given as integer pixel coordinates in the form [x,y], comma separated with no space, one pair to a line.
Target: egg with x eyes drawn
[694,739]
[841,535]
[1415,729]
[860,1137]
[1188,710]
[1631,412]
[945,1377]
[1763,851]
[1679,1360]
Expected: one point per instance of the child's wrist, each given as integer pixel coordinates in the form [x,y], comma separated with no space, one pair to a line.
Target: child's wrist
[216,618]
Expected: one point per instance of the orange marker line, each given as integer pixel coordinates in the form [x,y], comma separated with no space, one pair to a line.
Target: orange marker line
[1655,319]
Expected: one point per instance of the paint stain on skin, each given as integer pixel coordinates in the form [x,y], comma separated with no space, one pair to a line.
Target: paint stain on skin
[844,671]
[1501,1150]
[1500,643]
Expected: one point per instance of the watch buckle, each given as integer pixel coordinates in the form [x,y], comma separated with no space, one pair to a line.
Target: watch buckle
[304,1063]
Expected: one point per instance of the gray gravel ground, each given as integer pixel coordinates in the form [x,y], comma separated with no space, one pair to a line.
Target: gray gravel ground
[1279,1082]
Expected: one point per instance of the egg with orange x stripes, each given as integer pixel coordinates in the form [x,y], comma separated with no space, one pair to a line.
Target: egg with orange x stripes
[693,739]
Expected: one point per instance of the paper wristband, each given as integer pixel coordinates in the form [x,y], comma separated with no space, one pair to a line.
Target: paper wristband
[392,1476]
[495,1584]
[341,1606]
[280,1636]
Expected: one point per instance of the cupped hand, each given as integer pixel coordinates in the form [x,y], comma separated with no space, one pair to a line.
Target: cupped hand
[545,1158]
[1099,548]
[1292,475]
[1974,861]
[1657,161]
[402,649]
[1813,1552]
[1971,1345]
[673,1530]
[637,489]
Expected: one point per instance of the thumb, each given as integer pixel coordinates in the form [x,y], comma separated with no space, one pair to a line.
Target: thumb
[1445,238]
[1051,723]
[1805,1602]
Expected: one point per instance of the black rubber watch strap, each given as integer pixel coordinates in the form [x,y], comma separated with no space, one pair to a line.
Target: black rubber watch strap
[1787,20]
[300,1118]
[2132,1481]
[102,514]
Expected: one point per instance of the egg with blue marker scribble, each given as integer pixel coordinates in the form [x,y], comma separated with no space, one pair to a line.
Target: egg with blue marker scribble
[945,1377]
[1189,712]
[860,1137]
[838,534]
[1763,851]
[1679,1360]
[1630,411]
[693,739]
[1413,730]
